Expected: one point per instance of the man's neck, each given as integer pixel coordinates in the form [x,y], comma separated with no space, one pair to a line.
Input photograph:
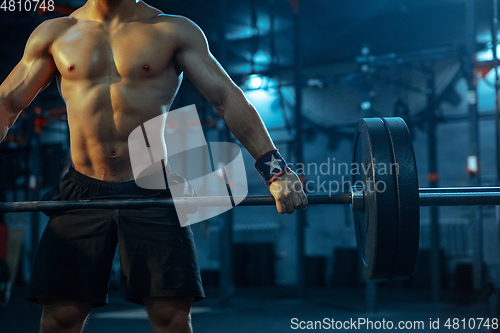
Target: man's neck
[113,10]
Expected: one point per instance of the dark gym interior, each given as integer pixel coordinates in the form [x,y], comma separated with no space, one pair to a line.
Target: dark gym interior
[313,69]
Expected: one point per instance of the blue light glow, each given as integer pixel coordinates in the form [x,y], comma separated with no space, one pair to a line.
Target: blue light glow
[487,55]
[265,99]
[264,25]
[254,82]
[261,58]
[241,33]
[366,105]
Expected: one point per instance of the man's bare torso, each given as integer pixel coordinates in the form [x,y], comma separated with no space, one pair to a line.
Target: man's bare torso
[119,64]
[113,77]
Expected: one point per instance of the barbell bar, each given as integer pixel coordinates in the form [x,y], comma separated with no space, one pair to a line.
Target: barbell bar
[387,223]
[455,196]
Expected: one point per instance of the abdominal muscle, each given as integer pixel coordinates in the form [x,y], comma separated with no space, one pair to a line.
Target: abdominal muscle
[101,118]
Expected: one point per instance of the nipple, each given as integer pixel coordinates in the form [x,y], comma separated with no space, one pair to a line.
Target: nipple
[71,68]
[146,67]
[113,154]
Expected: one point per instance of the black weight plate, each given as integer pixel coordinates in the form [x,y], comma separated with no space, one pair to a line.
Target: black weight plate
[408,197]
[376,226]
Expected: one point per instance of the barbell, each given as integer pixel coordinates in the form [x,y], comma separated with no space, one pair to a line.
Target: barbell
[387,218]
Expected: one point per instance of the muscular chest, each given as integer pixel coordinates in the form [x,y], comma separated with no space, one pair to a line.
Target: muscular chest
[91,52]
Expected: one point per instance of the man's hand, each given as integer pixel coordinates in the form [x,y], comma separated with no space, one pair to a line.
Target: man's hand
[288,192]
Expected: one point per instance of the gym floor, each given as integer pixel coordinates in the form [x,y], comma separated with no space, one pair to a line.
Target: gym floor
[267,310]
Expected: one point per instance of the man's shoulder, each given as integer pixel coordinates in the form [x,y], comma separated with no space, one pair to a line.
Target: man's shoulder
[55,24]
[181,26]
[47,32]
[176,20]
[50,29]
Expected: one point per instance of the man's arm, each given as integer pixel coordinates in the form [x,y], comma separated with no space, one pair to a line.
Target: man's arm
[195,59]
[31,75]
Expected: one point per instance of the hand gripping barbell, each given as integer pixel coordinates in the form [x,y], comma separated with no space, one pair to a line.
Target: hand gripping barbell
[387,222]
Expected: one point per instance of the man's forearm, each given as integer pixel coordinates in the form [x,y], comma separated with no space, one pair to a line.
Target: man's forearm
[7,117]
[245,123]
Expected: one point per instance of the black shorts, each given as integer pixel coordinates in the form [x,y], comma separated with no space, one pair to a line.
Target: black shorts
[73,260]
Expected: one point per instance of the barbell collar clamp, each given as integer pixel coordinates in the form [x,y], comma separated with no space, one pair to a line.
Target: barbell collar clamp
[357,199]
